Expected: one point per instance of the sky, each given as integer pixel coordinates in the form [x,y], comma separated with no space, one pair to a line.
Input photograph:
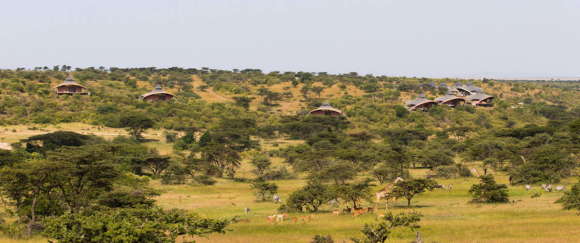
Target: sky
[423,38]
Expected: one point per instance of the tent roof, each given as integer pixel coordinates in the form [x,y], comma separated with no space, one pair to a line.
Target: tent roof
[69,81]
[326,107]
[155,91]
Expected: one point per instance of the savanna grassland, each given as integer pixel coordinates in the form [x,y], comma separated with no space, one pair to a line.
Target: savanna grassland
[223,125]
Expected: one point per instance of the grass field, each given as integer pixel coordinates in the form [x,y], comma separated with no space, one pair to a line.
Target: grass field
[448,215]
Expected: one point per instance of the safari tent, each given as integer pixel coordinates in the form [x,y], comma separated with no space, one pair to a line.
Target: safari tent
[157,94]
[70,87]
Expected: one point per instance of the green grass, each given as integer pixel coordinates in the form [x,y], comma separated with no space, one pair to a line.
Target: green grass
[448,216]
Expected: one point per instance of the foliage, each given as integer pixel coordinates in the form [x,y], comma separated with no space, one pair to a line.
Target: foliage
[322,239]
[547,164]
[264,189]
[136,124]
[130,225]
[571,199]
[380,232]
[310,197]
[52,141]
[488,191]
[409,188]
[354,193]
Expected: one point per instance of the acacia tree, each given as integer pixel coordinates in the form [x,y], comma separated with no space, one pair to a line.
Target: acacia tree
[136,124]
[263,189]
[26,184]
[81,174]
[410,188]
[354,192]
[262,163]
[310,197]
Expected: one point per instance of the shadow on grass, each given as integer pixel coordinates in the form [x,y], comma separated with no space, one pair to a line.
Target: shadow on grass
[412,206]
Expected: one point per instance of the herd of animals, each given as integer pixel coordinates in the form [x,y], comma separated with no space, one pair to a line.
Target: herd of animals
[384,194]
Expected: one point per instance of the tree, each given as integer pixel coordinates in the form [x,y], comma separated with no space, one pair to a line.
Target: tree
[25,184]
[243,101]
[262,163]
[310,197]
[52,141]
[386,172]
[571,199]
[264,189]
[81,174]
[380,232]
[157,163]
[354,192]
[410,188]
[488,191]
[435,158]
[220,147]
[136,124]
[547,164]
[131,226]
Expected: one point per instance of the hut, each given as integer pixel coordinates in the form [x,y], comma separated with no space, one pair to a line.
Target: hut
[450,100]
[157,94]
[480,99]
[327,110]
[70,87]
[420,103]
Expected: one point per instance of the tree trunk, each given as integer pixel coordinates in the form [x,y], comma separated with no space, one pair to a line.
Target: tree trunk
[32,216]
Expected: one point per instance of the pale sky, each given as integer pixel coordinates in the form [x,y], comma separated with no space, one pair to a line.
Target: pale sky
[433,38]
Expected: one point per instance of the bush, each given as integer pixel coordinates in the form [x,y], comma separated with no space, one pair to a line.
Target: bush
[452,171]
[488,191]
[204,180]
[281,173]
[571,199]
[130,226]
[264,189]
[170,137]
[322,239]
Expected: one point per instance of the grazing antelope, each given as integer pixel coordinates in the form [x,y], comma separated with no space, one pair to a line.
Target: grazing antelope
[336,212]
[528,187]
[560,188]
[358,212]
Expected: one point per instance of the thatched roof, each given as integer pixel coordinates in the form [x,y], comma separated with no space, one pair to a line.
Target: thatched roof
[156,91]
[326,108]
[69,81]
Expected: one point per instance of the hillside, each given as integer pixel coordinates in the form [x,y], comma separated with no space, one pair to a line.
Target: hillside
[229,142]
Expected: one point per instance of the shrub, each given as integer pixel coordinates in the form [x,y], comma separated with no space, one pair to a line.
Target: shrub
[322,239]
[571,199]
[452,171]
[488,191]
[380,232]
[204,180]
